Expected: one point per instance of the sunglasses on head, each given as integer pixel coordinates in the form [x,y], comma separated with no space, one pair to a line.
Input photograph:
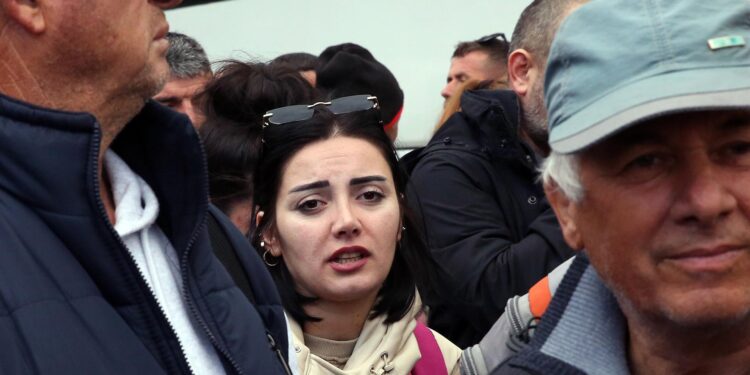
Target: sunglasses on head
[489,38]
[302,112]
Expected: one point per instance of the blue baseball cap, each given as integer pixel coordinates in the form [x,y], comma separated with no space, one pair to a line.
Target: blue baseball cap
[615,63]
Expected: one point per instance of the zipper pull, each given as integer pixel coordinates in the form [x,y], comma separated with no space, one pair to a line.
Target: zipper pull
[277,350]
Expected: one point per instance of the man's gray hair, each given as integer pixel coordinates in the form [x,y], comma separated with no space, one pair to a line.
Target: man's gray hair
[186,57]
[561,171]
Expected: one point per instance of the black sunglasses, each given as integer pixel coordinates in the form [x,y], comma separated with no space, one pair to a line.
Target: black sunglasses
[489,38]
[302,112]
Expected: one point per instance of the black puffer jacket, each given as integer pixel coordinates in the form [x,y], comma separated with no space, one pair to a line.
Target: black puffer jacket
[71,298]
[485,216]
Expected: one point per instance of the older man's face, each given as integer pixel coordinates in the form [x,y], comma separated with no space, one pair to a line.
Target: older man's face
[118,45]
[666,217]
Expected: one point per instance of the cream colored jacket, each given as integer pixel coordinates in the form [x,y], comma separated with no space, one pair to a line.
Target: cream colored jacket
[380,349]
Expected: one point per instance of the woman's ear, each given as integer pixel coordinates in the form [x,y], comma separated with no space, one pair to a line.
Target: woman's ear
[268,238]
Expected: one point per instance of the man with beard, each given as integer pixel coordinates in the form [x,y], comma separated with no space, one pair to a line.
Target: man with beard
[106,265]
[475,186]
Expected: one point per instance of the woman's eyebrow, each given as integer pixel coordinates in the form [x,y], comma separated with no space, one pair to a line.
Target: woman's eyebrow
[310,186]
[365,179]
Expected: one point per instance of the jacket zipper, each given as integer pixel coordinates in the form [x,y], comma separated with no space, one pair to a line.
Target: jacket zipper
[276,349]
[188,298]
[514,316]
[112,231]
[191,305]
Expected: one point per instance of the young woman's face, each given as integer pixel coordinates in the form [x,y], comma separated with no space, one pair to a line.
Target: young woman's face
[337,220]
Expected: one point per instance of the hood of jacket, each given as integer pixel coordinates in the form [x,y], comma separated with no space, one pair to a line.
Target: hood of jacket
[488,125]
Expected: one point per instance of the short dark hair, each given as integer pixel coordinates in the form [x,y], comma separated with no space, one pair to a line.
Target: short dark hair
[536,28]
[186,57]
[234,103]
[299,61]
[412,263]
[496,50]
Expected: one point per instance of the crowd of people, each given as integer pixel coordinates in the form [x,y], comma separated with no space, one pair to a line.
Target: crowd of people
[580,208]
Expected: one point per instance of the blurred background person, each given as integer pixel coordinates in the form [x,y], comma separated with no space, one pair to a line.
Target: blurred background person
[334,231]
[484,59]
[303,62]
[189,71]
[350,69]
[235,102]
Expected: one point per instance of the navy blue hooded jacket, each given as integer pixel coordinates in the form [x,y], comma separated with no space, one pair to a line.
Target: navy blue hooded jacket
[71,298]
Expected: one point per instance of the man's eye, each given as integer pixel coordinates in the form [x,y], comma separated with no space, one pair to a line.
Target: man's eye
[645,161]
[736,153]
[645,167]
[168,103]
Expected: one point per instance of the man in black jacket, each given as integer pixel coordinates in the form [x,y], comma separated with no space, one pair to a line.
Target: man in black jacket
[105,262]
[475,185]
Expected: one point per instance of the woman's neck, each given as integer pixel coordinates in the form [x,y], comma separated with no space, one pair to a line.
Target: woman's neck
[339,320]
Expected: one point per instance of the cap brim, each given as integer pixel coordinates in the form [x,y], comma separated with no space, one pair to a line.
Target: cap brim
[679,91]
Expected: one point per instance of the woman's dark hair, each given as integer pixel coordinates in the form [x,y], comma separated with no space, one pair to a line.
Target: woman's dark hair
[281,142]
[297,61]
[234,103]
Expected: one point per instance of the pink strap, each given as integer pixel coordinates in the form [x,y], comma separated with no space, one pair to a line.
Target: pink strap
[432,361]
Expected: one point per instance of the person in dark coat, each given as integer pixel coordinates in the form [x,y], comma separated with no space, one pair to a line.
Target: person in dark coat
[106,266]
[476,187]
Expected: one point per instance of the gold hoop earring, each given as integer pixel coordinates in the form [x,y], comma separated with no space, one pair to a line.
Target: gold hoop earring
[265,259]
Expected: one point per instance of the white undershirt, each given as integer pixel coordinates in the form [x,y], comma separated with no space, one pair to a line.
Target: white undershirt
[136,211]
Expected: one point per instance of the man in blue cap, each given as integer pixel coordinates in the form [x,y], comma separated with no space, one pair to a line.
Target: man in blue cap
[649,116]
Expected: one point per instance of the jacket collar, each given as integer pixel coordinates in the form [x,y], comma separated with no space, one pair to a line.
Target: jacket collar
[380,346]
[583,328]
[488,123]
[49,161]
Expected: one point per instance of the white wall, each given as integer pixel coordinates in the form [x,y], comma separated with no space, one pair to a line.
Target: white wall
[413,38]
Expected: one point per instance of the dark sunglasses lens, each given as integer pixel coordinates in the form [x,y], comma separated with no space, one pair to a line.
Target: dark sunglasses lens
[350,104]
[491,37]
[290,114]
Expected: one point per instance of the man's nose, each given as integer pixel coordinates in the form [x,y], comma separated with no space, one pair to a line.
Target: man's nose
[166,4]
[704,198]
[447,90]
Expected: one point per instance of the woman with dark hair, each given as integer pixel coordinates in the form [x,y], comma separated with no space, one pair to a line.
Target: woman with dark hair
[234,103]
[334,232]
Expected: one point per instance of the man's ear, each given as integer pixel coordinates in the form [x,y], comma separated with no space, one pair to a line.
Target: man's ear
[268,236]
[26,13]
[521,68]
[566,211]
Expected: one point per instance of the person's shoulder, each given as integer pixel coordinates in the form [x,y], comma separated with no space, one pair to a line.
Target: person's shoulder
[451,352]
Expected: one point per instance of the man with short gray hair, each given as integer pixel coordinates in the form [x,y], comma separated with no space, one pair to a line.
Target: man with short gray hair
[649,108]
[190,70]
